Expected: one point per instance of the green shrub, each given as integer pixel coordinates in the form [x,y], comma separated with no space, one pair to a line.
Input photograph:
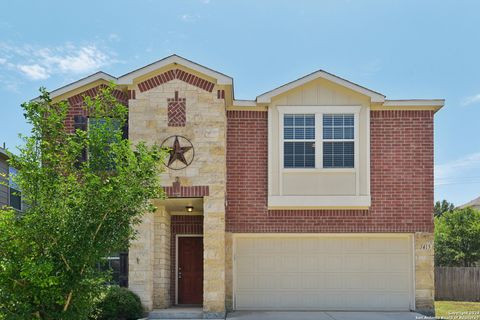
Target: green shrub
[120,304]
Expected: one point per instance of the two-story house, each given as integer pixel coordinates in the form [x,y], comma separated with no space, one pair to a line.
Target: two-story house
[10,195]
[316,195]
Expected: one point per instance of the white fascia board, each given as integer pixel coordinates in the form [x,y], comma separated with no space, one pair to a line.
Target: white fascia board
[303,202]
[80,83]
[244,103]
[415,102]
[375,96]
[220,77]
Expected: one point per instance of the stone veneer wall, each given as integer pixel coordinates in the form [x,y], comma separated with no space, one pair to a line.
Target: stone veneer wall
[424,273]
[162,262]
[205,127]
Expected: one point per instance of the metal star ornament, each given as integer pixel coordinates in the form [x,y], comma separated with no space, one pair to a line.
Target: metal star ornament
[177,153]
[180,151]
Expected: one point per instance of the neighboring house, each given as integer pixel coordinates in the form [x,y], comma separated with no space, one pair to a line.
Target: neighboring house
[10,194]
[475,204]
[317,195]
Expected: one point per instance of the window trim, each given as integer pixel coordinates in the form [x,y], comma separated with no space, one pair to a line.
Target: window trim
[319,111]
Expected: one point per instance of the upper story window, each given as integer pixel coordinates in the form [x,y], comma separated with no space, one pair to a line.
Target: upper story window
[299,140]
[338,141]
[320,140]
[15,199]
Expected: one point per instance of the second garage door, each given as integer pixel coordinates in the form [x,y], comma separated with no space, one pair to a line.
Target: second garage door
[323,272]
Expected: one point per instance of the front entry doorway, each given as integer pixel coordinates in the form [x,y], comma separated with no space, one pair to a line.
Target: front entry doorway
[189,270]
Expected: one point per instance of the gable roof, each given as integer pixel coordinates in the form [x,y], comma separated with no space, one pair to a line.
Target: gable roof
[474,203]
[100,75]
[128,78]
[267,96]
[175,59]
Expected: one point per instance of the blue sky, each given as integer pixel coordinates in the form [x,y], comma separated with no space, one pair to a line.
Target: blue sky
[403,49]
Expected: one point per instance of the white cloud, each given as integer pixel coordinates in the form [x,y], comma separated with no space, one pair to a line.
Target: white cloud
[83,59]
[189,18]
[39,63]
[471,100]
[34,71]
[460,170]
[205,1]
[114,37]
[3,61]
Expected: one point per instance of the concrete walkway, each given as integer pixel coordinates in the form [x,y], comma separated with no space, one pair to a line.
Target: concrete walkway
[327,315]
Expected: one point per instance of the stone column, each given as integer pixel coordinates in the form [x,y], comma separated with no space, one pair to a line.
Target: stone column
[214,257]
[140,262]
[162,263]
[228,271]
[424,273]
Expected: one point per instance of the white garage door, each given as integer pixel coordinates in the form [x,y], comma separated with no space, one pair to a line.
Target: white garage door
[323,273]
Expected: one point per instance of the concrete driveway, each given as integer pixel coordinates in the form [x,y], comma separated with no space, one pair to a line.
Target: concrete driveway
[327,315]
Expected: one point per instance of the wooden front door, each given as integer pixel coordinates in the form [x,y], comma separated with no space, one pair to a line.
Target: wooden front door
[190,270]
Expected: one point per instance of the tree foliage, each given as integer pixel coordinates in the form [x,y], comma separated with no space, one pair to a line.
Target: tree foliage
[442,206]
[457,238]
[76,212]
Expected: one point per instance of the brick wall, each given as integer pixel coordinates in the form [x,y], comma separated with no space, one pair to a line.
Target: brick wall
[77,106]
[181,225]
[401,179]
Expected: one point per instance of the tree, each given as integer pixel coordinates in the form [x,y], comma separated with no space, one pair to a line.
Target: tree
[457,238]
[76,212]
[442,207]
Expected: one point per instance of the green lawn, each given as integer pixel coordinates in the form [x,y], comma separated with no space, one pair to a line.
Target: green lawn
[457,310]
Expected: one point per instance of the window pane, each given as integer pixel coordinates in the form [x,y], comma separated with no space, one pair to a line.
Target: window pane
[299,120]
[288,133]
[327,161]
[310,161]
[348,119]
[348,133]
[299,154]
[327,133]
[338,133]
[310,133]
[288,147]
[338,154]
[309,148]
[309,119]
[288,120]
[348,161]
[15,199]
[327,120]
[299,148]
[288,161]
[338,119]
[348,148]
[299,133]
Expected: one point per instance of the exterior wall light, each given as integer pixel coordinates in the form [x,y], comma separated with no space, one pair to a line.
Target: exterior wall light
[189,208]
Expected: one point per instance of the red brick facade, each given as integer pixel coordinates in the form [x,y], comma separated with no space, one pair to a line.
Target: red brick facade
[77,108]
[181,225]
[401,179]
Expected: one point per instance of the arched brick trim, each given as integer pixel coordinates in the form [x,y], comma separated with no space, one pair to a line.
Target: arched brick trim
[186,192]
[175,74]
